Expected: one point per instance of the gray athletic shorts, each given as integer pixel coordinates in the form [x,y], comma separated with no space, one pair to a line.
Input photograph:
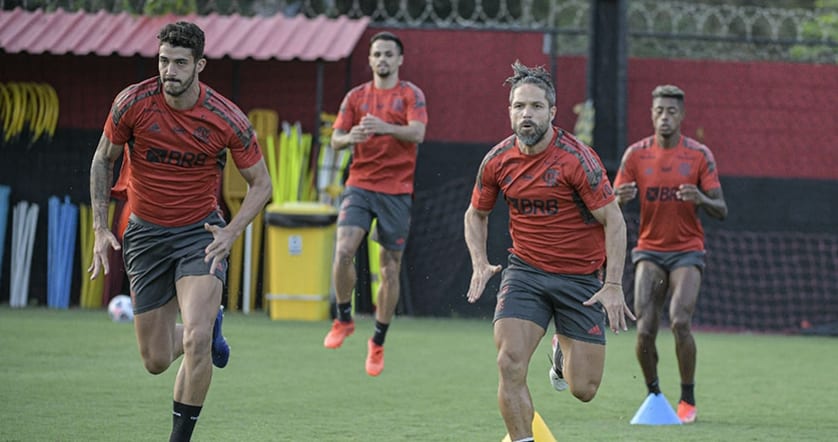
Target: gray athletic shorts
[670,261]
[358,207]
[157,256]
[535,295]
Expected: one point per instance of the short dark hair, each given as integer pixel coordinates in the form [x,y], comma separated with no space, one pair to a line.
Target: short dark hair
[669,91]
[537,76]
[184,34]
[388,36]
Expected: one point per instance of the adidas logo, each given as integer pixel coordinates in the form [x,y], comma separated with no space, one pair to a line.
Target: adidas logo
[595,330]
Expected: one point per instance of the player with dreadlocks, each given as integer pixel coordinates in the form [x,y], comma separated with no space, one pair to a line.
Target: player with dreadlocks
[564,223]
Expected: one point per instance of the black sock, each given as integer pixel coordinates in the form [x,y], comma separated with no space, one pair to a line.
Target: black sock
[184,419]
[654,387]
[345,312]
[687,393]
[380,333]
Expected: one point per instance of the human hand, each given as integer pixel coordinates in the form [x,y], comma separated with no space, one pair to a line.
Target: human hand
[220,246]
[102,242]
[374,125]
[690,193]
[626,192]
[479,277]
[612,299]
[358,134]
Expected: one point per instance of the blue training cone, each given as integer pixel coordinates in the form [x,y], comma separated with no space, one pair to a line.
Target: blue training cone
[655,410]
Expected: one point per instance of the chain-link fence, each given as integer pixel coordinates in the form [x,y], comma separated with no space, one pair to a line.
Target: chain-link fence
[657,29]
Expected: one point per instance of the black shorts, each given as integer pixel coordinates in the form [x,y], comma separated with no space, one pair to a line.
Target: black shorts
[392,213]
[535,295]
[157,256]
[670,261]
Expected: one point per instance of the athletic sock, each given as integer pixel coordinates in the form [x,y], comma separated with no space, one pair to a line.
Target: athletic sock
[380,333]
[688,394]
[184,418]
[345,312]
[654,387]
[526,439]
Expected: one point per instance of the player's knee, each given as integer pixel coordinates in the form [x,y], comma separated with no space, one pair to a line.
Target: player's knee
[344,255]
[511,368]
[680,326]
[645,336]
[584,391]
[196,340]
[156,364]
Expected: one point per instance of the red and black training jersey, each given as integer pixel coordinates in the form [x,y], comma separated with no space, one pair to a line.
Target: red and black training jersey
[668,224]
[176,157]
[550,197]
[383,163]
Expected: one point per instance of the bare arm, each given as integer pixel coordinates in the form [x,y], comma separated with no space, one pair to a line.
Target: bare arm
[611,294]
[476,232]
[101,178]
[258,194]
[611,218]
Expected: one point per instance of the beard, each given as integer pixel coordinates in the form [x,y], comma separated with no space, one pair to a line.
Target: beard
[532,135]
[177,88]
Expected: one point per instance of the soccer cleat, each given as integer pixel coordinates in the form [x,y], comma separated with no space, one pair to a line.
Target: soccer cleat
[220,349]
[556,376]
[686,412]
[339,332]
[375,358]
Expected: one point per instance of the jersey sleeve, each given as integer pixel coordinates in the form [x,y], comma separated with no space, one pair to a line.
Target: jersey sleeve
[346,113]
[709,176]
[417,109]
[119,126]
[590,180]
[486,186]
[243,145]
[625,174]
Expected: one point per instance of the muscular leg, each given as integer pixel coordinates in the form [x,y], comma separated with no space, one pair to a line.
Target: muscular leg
[650,284]
[199,298]
[583,366]
[159,337]
[685,283]
[388,292]
[343,269]
[516,340]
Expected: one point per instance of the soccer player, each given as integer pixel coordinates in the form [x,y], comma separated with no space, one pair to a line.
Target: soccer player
[382,121]
[176,131]
[674,176]
[564,223]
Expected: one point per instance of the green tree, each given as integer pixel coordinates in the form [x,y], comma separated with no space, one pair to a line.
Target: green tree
[177,7]
[823,29]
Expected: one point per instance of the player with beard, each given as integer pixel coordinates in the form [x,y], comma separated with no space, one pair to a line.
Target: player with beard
[564,223]
[382,121]
[176,131]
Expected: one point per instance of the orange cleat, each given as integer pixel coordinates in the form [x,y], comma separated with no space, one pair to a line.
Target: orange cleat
[339,332]
[375,358]
[686,412]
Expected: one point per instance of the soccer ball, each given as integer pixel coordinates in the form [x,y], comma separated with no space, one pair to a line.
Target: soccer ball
[120,309]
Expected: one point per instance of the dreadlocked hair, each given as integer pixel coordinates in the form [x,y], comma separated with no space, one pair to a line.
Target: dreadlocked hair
[537,76]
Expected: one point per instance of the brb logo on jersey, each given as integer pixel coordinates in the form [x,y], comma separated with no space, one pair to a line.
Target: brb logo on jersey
[662,194]
[527,206]
[175,158]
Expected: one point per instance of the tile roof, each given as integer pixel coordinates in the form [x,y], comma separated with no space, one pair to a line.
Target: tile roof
[238,37]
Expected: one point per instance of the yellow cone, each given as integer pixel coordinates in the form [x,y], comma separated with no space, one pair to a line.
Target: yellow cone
[539,431]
